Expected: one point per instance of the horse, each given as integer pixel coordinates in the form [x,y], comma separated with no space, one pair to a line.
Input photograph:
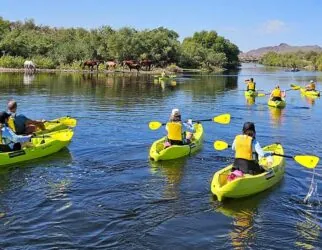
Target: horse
[131,65]
[29,66]
[111,65]
[91,64]
[147,64]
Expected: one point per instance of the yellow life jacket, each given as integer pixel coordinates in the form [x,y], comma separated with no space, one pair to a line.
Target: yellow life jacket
[251,86]
[11,123]
[312,86]
[243,147]
[174,131]
[277,93]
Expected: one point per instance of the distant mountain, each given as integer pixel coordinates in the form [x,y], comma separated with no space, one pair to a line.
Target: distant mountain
[282,48]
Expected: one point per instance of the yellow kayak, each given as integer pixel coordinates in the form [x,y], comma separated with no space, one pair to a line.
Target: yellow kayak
[39,147]
[158,152]
[276,104]
[251,93]
[310,92]
[249,184]
[58,124]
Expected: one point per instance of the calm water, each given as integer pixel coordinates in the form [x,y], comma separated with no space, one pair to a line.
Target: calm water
[103,192]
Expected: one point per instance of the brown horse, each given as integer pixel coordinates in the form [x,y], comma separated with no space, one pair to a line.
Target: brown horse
[131,65]
[91,64]
[111,65]
[147,64]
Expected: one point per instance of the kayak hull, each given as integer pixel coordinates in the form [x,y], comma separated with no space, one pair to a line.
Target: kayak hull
[277,104]
[58,124]
[251,93]
[311,93]
[249,184]
[39,147]
[158,152]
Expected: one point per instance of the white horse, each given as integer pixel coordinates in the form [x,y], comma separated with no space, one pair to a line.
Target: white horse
[29,66]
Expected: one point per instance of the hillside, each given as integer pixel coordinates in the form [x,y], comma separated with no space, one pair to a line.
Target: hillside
[282,48]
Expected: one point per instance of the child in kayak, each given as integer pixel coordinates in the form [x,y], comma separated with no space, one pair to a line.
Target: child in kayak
[177,130]
[247,151]
[277,94]
[9,141]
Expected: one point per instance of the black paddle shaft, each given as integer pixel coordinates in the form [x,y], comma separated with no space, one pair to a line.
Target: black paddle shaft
[286,156]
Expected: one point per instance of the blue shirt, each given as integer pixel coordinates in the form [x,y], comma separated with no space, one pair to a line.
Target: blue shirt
[20,123]
[9,137]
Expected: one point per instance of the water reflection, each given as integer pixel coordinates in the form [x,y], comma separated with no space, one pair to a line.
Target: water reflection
[308,229]
[28,78]
[276,115]
[243,212]
[250,100]
[173,172]
[310,99]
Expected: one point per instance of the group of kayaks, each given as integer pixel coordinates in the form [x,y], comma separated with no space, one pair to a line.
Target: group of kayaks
[282,103]
[57,135]
[221,186]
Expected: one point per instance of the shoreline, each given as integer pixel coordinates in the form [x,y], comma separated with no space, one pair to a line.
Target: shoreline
[122,71]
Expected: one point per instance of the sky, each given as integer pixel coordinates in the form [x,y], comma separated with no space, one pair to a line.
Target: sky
[250,24]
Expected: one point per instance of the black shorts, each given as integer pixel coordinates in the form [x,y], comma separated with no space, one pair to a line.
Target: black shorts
[6,148]
[175,142]
[247,167]
[275,98]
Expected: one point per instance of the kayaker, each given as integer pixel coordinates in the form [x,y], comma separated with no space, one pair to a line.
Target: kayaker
[277,94]
[9,140]
[20,124]
[251,85]
[179,133]
[310,86]
[248,151]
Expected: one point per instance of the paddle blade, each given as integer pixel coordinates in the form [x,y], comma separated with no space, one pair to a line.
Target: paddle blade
[220,145]
[154,125]
[223,119]
[308,161]
[295,87]
[261,94]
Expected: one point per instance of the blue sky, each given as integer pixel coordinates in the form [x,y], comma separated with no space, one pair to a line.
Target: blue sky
[249,24]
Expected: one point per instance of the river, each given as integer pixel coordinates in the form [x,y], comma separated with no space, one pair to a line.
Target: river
[102,192]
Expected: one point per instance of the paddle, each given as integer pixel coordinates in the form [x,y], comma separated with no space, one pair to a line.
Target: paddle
[295,87]
[308,161]
[222,119]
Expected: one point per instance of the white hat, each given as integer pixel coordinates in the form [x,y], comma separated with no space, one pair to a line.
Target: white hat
[175,112]
[311,81]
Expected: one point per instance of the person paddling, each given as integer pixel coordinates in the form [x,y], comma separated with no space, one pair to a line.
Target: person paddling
[20,124]
[179,133]
[9,141]
[247,151]
[251,85]
[277,94]
[310,86]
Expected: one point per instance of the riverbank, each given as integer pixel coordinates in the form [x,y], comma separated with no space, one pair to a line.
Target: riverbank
[123,71]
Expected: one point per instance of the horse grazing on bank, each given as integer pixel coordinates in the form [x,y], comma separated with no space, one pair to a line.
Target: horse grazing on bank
[111,65]
[147,64]
[91,64]
[29,66]
[131,65]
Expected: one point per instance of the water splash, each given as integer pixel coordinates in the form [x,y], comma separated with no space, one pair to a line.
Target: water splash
[312,190]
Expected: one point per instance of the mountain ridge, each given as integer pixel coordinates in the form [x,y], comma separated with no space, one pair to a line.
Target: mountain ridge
[281,48]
